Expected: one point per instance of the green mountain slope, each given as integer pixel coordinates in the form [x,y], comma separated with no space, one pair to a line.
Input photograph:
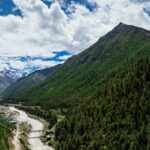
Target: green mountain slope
[116,117]
[83,73]
[29,81]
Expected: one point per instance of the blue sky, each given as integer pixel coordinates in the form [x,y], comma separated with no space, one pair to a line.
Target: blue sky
[89,5]
[8,7]
[42,33]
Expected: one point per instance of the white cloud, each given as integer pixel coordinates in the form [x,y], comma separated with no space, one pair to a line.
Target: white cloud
[64,57]
[43,30]
[12,63]
[43,64]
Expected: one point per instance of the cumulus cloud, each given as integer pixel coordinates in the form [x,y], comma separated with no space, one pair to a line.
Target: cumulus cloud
[43,30]
[64,57]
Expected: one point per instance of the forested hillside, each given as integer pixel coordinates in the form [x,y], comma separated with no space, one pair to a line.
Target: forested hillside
[83,73]
[115,117]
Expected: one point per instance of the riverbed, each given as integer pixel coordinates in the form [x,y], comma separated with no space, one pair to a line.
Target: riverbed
[34,137]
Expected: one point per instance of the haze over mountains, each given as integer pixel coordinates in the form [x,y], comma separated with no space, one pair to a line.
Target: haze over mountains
[83,73]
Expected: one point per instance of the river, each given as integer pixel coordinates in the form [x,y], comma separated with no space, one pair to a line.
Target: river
[35,143]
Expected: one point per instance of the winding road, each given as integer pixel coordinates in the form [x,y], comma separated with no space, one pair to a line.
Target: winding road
[35,143]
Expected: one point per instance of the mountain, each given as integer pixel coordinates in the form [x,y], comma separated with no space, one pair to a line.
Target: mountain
[7,78]
[33,79]
[81,74]
[108,89]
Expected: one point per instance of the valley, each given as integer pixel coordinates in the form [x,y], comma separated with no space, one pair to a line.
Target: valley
[74,74]
[96,100]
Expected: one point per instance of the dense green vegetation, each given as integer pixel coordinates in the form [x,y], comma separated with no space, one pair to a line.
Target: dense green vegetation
[5,135]
[48,115]
[80,76]
[116,117]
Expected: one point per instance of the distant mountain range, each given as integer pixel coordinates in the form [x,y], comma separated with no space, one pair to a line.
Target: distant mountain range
[33,79]
[7,77]
[83,73]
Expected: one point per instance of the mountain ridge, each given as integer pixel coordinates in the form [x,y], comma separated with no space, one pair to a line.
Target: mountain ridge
[81,74]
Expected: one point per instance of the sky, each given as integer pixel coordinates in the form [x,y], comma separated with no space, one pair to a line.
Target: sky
[36,34]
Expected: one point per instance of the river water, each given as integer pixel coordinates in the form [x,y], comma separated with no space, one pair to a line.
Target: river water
[35,143]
